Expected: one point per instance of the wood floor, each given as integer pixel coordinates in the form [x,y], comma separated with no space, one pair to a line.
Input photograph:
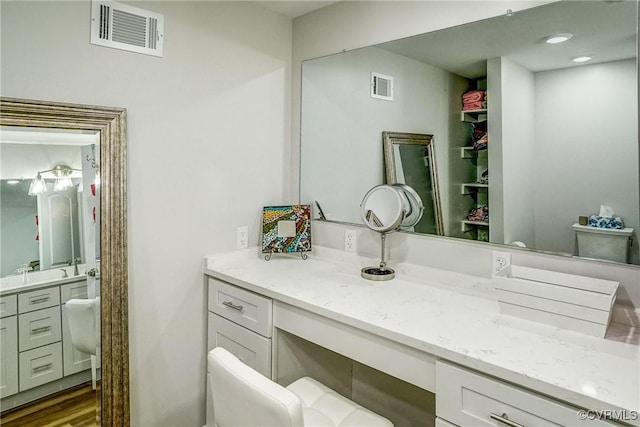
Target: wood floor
[75,407]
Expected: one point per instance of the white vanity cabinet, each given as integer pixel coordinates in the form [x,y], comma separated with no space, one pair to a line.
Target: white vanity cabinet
[465,398]
[35,342]
[241,322]
[9,345]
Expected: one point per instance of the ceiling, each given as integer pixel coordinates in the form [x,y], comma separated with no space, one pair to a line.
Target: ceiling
[293,9]
[606,30]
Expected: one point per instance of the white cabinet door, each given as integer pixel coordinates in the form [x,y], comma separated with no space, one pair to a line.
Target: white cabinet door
[9,359]
[74,360]
[253,349]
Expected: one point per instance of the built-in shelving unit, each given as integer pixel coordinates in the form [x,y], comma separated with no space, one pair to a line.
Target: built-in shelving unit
[477,190]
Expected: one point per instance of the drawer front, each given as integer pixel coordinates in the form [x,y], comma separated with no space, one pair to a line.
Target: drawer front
[8,305]
[40,366]
[245,308]
[40,298]
[467,398]
[75,290]
[39,328]
[253,349]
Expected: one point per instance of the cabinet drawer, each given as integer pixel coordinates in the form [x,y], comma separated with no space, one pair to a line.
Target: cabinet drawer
[40,366]
[39,328]
[467,398]
[40,298]
[73,290]
[253,349]
[8,305]
[245,308]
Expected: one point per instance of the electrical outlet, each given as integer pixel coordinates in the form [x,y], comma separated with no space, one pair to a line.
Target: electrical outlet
[242,237]
[500,261]
[350,240]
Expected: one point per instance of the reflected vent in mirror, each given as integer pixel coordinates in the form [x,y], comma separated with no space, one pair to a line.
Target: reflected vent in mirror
[381,86]
[125,27]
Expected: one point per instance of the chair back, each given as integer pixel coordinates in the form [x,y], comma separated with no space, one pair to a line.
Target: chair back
[242,397]
[84,324]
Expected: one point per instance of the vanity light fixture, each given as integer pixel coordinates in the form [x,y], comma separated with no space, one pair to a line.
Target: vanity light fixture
[63,180]
[13,181]
[557,38]
[581,59]
[37,186]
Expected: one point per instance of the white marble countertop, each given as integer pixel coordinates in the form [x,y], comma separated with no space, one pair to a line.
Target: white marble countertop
[36,280]
[449,315]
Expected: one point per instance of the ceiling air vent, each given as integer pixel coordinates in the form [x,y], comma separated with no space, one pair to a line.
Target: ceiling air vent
[381,86]
[126,27]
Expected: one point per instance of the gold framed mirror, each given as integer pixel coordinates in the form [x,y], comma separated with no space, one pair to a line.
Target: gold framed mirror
[409,158]
[111,123]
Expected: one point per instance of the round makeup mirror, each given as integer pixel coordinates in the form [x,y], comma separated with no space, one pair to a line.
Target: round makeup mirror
[387,208]
[382,209]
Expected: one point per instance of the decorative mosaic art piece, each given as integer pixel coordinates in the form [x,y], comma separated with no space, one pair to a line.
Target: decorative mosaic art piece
[286,229]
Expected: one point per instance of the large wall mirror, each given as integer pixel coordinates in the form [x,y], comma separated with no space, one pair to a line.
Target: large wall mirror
[562,134]
[63,189]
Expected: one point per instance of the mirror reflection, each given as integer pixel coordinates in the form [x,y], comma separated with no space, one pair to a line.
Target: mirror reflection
[409,159]
[557,140]
[49,269]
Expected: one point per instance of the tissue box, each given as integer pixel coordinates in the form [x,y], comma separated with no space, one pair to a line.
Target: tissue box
[567,301]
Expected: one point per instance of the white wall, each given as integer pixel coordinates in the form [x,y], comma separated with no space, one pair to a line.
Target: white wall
[208,129]
[585,114]
[512,145]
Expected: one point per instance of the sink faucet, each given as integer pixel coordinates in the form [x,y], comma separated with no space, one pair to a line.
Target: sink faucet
[23,270]
[64,273]
[75,267]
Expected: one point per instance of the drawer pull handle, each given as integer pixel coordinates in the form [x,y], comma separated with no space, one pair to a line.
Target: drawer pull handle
[504,419]
[41,329]
[42,368]
[232,305]
[39,300]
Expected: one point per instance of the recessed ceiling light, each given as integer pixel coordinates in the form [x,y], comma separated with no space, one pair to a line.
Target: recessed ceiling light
[558,38]
[579,59]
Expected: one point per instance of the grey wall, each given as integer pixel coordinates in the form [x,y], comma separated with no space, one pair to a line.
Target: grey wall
[18,228]
[343,124]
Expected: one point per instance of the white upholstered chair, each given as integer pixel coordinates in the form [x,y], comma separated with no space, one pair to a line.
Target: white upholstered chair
[84,328]
[244,398]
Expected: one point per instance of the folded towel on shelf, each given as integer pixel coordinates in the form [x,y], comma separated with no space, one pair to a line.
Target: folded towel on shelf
[473,95]
[474,100]
[605,222]
[481,213]
[474,105]
[479,135]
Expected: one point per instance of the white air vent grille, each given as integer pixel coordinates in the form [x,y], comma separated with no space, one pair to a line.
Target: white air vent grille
[381,86]
[125,27]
